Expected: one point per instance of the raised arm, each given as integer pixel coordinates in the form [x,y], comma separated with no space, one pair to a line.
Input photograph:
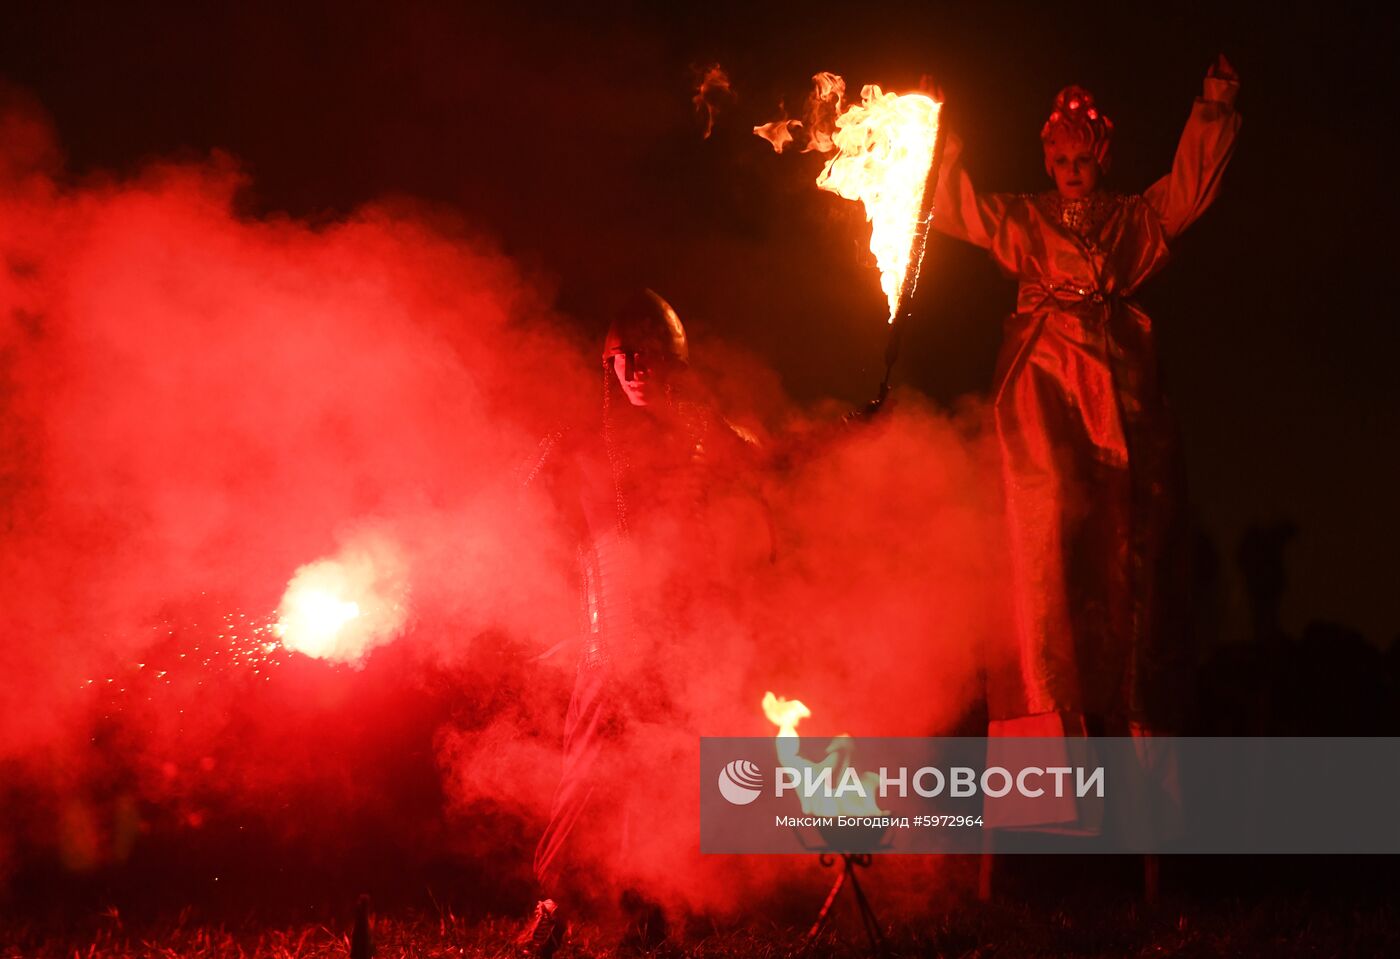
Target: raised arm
[958,210]
[1207,143]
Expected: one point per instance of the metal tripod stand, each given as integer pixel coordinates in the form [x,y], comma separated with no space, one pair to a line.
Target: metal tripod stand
[850,862]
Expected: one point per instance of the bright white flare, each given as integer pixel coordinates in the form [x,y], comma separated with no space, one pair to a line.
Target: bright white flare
[339,608]
[311,618]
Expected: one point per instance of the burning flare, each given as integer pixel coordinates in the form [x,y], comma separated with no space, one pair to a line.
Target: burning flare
[340,608]
[310,617]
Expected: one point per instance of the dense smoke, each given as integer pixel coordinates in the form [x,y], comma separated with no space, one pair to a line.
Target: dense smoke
[198,403]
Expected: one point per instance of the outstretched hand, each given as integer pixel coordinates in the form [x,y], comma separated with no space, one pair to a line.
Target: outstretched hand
[1222,69]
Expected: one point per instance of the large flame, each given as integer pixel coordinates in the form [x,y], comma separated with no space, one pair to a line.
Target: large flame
[340,607]
[886,145]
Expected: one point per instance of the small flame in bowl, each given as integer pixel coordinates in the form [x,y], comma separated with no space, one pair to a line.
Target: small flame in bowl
[786,714]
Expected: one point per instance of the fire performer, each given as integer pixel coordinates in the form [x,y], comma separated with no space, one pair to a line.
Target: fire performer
[1088,449]
[640,488]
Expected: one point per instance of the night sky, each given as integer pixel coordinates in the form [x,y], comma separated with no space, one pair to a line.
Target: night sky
[570,138]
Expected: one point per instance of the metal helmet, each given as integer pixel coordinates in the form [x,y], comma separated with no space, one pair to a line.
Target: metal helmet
[646,324]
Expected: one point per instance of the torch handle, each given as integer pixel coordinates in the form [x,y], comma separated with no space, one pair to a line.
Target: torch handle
[918,245]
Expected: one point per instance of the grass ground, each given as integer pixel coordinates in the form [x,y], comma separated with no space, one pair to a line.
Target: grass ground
[1282,927]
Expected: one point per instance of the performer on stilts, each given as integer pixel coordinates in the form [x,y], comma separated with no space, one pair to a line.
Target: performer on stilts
[1088,447]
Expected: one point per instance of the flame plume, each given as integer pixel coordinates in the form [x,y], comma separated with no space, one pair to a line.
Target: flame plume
[886,149]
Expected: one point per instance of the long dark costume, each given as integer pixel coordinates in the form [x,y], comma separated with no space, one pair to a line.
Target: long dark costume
[637,491]
[1088,453]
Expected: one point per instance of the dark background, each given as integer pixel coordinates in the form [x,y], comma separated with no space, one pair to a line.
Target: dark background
[569,135]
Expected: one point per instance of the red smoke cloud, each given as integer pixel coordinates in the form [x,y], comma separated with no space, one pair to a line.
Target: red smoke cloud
[197,402]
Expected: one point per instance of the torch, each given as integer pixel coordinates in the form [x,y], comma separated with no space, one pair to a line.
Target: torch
[918,244]
[889,152]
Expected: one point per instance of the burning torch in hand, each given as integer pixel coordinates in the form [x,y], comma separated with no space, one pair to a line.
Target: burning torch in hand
[887,155]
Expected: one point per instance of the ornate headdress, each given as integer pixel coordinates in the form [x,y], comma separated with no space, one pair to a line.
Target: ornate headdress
[1075,116]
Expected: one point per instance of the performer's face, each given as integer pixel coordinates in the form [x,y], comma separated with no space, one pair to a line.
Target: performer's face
[649,377]
[1074,166]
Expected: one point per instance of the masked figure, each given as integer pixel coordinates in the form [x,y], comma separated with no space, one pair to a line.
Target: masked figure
[1087,446]
[638,489]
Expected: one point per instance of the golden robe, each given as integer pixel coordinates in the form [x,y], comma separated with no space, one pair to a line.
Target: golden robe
[1088,448]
